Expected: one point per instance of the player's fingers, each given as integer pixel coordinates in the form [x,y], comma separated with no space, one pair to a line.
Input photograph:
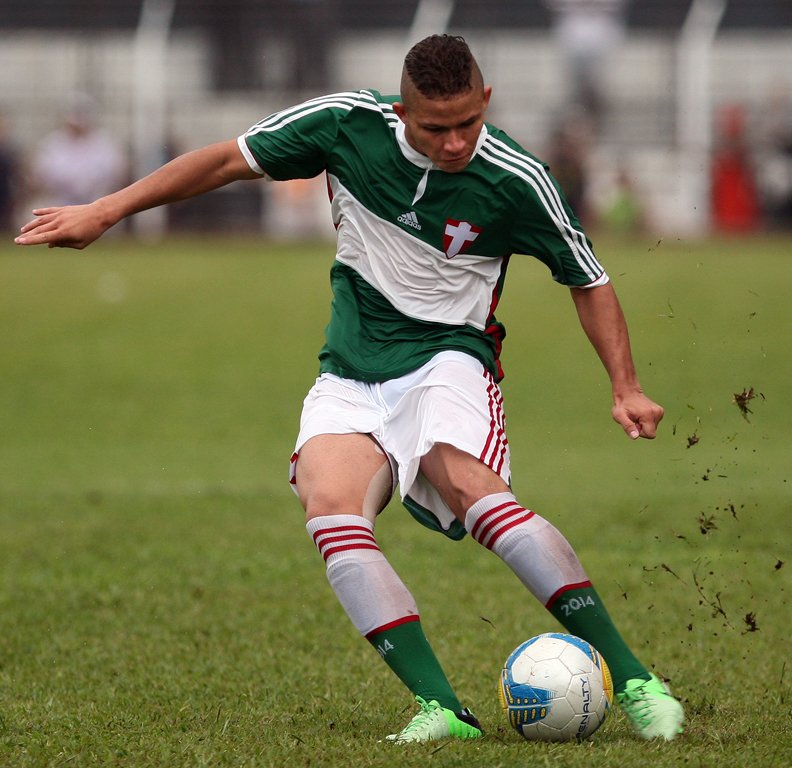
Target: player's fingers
[54,238]
[638,421]
[633,430]
[40,235]
[43,216]
[644,425]
[648,429]
[637,425]
[631,427]
[650,420]
[30,226]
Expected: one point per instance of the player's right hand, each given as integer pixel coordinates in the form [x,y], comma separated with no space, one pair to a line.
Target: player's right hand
[637,414]
[73,226]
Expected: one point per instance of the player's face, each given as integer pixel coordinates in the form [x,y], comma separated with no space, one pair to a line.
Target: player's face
[445,130]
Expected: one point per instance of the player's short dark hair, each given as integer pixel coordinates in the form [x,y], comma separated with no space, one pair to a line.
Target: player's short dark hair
[440,66]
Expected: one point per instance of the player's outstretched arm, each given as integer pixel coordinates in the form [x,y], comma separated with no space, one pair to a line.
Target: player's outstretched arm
[603,321]
[186,176]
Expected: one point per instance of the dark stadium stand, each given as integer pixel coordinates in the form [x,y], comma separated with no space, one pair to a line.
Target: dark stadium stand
[365,14]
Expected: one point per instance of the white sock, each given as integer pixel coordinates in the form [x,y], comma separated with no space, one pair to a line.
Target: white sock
[368,588]
[534,549]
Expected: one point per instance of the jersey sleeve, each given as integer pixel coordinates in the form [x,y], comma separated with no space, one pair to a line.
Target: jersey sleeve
[294,143]
[547,228]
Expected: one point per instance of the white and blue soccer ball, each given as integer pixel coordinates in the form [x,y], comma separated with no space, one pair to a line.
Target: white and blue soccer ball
[556,687]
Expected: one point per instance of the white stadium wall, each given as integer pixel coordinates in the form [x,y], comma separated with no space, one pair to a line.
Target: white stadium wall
[41,70]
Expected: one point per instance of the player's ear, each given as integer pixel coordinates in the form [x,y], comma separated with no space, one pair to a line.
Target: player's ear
[399,109]
[487,95]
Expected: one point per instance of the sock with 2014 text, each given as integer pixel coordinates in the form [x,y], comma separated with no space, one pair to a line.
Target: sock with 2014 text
[546,564]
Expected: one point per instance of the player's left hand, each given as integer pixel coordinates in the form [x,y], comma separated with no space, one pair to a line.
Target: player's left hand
[637,414]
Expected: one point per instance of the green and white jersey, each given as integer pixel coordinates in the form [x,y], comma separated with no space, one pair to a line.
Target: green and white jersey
[422,254]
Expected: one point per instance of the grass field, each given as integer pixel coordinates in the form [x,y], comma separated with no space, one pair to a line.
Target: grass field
[161,604]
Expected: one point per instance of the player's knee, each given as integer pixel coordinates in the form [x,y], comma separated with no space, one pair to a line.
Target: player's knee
[366,500]
[327,504]
[460,478]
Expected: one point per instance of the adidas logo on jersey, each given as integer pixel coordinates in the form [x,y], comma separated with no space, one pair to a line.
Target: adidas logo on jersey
[410,219]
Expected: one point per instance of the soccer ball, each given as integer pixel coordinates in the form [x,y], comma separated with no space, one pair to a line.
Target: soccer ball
[555,687]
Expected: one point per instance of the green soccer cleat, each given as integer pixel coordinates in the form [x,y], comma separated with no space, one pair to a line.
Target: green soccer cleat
[652,710]
[434,723]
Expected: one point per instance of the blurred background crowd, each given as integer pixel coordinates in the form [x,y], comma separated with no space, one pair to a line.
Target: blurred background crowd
[661,116]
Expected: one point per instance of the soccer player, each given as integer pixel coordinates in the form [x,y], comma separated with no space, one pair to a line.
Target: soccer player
[429,202]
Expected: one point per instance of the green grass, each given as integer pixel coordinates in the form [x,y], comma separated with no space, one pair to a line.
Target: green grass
[161,604]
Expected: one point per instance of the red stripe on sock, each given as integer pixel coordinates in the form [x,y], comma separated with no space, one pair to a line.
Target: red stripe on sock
[503,529]
[569,587]
[392,624]
[341,529]
[322,541]
[491,522]
[484,517]
[516,509]
[345,548]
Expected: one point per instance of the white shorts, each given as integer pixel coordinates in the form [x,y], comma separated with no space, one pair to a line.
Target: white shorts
[451,399]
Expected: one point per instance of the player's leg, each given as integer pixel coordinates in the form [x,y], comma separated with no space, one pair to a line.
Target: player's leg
[545,562]
[535,550]
[343,482]
[343,475]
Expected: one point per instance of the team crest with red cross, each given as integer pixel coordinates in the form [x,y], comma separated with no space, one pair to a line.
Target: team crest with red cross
[458,236]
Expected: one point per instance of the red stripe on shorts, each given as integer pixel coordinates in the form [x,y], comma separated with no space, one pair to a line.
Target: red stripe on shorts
[494,452]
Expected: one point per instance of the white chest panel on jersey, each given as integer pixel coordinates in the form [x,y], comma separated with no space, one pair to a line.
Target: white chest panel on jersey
[418,280]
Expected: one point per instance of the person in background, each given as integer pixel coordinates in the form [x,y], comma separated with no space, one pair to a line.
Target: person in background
[567,156]
[79,161]
[736,206]
[10,177]
[774,156]
[623,211]
[588,31]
